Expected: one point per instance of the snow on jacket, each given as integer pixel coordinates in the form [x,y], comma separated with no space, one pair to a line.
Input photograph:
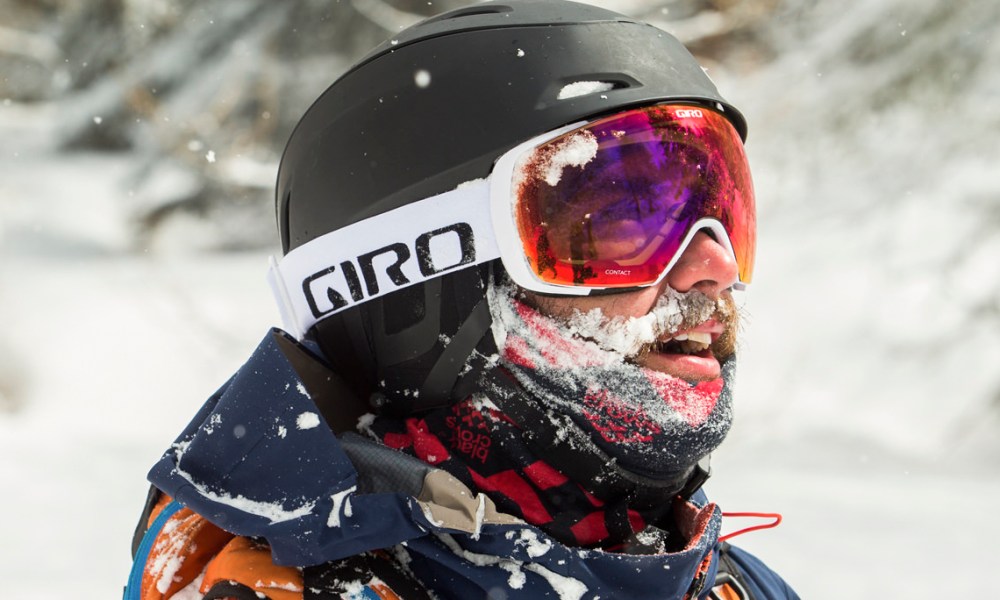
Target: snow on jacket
[259,498]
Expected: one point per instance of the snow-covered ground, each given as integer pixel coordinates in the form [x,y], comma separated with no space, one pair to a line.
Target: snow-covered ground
[867,409]
[109,352]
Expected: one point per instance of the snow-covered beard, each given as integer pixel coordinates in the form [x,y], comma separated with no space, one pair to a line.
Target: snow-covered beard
[651,423]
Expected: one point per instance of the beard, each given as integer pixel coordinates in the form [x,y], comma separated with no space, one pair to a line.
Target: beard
[585,366]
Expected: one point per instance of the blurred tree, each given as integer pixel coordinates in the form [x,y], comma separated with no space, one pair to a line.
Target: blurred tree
[204,94]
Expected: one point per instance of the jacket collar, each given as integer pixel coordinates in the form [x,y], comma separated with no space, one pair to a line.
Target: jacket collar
[259,460]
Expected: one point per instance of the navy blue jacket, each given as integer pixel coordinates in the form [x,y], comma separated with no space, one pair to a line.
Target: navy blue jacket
[259,461]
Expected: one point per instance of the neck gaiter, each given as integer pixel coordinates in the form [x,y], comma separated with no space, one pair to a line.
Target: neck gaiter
[651,423]
[574,381]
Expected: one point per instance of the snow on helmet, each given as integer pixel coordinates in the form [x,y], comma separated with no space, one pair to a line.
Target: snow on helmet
[430,109]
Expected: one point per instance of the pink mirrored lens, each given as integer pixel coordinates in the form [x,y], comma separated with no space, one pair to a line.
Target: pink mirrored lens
[608,205]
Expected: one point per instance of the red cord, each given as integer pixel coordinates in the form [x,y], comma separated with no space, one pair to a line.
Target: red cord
[776,520]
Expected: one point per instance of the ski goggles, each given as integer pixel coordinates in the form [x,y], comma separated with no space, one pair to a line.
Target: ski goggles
[613,204]
[609,204]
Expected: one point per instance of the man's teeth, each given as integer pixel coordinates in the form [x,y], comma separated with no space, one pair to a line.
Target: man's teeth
[693,342]
[695,336]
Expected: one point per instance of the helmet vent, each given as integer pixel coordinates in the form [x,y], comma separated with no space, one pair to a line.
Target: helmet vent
[584,85]
[471,11]
[585,88]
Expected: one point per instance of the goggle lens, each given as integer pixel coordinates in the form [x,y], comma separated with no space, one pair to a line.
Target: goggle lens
[610,204]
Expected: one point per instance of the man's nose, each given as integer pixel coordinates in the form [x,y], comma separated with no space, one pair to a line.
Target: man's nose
[705,266]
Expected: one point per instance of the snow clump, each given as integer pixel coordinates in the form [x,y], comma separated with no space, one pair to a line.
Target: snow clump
[583,88]
[307,420]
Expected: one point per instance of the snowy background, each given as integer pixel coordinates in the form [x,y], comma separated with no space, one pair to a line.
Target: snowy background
[139,140]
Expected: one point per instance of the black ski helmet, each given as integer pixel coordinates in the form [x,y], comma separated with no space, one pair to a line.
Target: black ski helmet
[432,108]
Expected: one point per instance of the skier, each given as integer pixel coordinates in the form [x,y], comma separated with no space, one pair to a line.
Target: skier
[511,236]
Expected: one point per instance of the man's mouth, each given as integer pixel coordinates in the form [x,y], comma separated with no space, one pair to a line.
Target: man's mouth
[688,354]
[694,342]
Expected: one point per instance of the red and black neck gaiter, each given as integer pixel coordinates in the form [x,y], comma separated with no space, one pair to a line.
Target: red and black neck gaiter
[486,450]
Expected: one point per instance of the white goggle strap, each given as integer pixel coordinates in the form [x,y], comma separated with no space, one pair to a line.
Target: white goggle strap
[382,254]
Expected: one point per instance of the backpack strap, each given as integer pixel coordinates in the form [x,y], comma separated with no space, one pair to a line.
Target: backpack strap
[244,569]
[372,575]
[173,551]
[142,545]
[142,525]
[729,581]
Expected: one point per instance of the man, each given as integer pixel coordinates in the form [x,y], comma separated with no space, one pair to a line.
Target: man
[511,236]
